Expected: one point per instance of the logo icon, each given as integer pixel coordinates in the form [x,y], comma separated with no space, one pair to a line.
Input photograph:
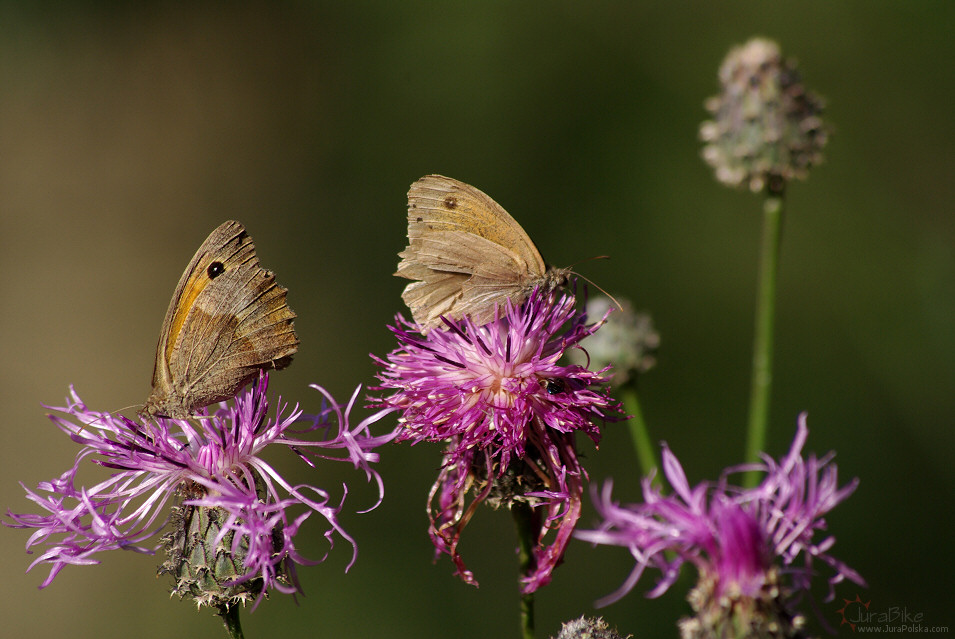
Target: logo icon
[850,610]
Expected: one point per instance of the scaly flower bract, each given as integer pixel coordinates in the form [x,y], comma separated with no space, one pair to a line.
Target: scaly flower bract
[213,462]
[507,409]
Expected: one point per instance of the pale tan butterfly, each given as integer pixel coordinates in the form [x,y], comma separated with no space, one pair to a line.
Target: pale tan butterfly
[466,254]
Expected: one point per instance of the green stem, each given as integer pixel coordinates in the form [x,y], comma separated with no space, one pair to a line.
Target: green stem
[230,617]
[527,537]
[763,334]
[646,454]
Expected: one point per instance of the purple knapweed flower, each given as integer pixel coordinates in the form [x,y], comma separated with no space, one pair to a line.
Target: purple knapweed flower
[748,545]
[234,510]
[507,409]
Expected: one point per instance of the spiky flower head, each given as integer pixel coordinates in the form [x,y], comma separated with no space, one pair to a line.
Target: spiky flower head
[627,341]
[754,549]
[234,519]
[507,408]
[766,128]
[588,628]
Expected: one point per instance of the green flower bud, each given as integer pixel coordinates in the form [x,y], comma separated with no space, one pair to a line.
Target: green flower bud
[766,128]
[206,569]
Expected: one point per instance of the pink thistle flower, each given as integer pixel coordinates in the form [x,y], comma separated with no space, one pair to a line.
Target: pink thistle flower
[213,464]
[507,409]
[752,545]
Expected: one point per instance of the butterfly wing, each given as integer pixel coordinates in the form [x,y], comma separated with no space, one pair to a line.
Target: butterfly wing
[437,203]
[460,273]
[465,251]
[227,319]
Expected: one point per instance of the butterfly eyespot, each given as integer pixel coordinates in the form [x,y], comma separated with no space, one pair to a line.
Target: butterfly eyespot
[555,386]
[215,270]
[450,202]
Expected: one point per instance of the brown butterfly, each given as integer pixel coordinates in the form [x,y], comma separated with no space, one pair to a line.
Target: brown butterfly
[467,255]
[227,320]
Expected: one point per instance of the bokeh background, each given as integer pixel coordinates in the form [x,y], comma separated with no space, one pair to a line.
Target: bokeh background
[127,133]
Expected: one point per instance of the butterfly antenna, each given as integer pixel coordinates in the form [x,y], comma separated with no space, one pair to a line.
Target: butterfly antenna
[598,257]
[116,412]
[140,408]
[599,288]
[590,281]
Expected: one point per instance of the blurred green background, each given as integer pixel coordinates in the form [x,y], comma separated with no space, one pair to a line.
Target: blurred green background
[128,133]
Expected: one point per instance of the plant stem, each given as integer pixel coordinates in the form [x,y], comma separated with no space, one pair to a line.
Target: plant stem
[638,432]
[763,334]
[230,617]
[524,518]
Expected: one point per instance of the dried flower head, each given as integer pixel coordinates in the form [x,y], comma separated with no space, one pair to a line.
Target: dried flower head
[766,128]
[231,533]
[588,628]
[627,341]
[754,548]
[507,409]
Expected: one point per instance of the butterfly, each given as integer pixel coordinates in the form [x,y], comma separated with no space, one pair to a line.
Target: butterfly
[227,320]
[467,255]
